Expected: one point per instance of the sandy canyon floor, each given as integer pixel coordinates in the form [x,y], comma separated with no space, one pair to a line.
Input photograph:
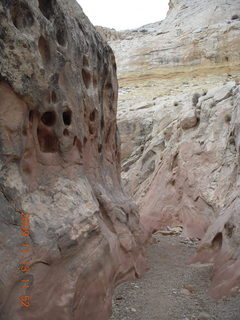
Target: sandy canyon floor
[171,289]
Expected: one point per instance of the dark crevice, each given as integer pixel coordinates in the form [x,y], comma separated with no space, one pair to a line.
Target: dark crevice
[30,116]
[49,118]
[47,7]
[93,115]
[67,117]
[99,148]
[217,241]
[91,129]
[102,123]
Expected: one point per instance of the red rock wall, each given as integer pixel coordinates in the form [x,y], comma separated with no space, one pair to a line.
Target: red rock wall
[60,163]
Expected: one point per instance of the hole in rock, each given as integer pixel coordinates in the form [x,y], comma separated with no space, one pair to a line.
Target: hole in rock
[48,141]
[44,49]
[67,117]
[91,129]
[54,97]
[47,7]
[30,116]
[93,115]
[109,86]
[84,140]
[86,78]
[99,148]
[22,16]
[102,123]
[217,241]
[66,132]
[81,27]
[48,118]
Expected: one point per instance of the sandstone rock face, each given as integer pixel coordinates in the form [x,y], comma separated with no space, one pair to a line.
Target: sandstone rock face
[108,34]
[193,33]
[60,167]
[178,121]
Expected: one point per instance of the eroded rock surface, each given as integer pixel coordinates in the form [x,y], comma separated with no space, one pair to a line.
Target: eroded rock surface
[60,163]
[178,120]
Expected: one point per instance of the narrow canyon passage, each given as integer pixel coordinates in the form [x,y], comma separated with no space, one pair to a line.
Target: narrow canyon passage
[171,289]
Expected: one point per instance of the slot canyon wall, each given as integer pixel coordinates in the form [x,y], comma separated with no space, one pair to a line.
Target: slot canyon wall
[60,167]
[179,123]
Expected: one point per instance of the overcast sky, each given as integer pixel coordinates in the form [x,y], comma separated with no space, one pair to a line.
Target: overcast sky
[124,14]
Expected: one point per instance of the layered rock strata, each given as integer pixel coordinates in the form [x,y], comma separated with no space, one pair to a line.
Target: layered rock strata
[178,121]
[60,182]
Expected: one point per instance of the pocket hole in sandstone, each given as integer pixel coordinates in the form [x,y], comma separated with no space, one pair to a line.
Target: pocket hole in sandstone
[91,129]
[65,132]
[48,142]
[54,97]
[46,7]
[217,241]
[99,148]
[48,118]
[44,49]
[86,78]
[67,117]
[109,86]
[102,123]
[84,140]
[93,115]
[22,16]
[81,27]
[30,116]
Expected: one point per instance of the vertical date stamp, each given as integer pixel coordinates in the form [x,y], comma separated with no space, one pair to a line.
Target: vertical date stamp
[24,267]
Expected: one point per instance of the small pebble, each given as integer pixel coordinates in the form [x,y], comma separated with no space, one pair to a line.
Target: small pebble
[186,292]
[204,316]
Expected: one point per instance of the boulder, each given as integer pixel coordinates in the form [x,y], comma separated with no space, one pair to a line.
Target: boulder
[189,120]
